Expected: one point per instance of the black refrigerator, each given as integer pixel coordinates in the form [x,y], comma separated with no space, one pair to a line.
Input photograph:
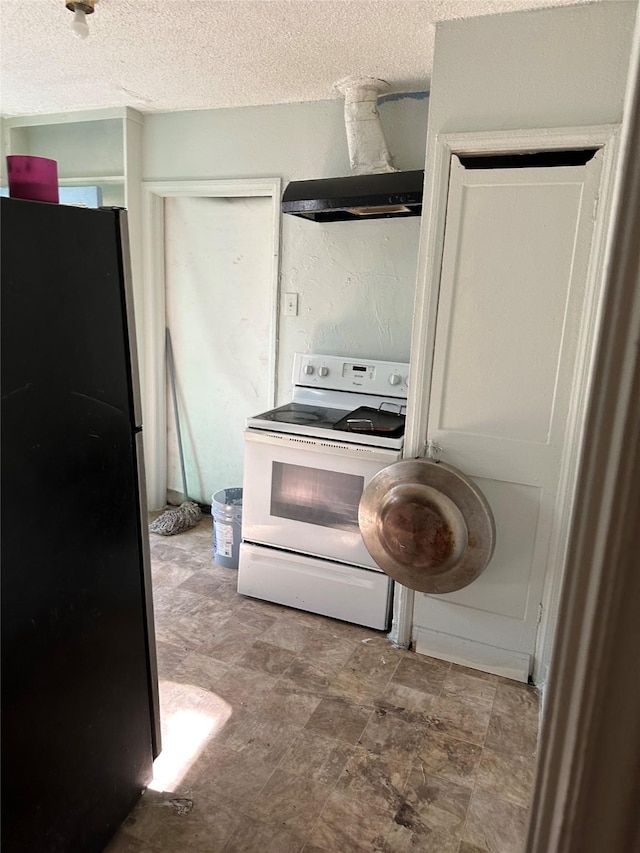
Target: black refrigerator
[79,689]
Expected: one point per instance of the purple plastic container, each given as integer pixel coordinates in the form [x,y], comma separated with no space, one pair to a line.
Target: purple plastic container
[34,178]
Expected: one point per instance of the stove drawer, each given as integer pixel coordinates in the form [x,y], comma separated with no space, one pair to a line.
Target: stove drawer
[318,586]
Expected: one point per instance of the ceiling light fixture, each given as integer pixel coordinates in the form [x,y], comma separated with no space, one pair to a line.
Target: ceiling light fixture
[80,9]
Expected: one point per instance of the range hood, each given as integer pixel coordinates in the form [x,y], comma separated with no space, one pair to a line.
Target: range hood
[376,189]
[356,197]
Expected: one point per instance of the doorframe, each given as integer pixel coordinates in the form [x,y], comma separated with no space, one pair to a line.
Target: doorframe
[152,354]
[436,189]
[586,795]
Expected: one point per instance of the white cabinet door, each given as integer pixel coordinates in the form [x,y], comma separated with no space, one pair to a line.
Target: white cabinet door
[514,270]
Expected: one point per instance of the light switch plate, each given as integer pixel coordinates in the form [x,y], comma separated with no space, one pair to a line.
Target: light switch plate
[291,304]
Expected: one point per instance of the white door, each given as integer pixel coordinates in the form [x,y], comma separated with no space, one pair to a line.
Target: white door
[511,301]
[218,269]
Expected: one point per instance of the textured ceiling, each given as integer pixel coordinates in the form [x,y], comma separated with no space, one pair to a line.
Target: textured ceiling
[164,55]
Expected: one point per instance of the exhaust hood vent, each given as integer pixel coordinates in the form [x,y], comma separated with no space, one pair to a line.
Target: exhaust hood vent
[356,197]
[376,189]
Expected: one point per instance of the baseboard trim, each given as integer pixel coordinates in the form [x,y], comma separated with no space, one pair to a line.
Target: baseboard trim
[503,662]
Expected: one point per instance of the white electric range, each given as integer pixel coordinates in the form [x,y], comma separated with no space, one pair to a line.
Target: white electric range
[305,468]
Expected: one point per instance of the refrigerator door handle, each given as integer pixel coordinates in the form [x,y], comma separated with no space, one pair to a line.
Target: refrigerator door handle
[154,693]
[123,223]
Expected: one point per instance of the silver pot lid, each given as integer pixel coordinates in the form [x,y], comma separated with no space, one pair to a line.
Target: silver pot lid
[427,525]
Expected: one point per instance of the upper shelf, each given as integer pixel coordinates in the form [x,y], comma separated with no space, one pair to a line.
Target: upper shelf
[87,145]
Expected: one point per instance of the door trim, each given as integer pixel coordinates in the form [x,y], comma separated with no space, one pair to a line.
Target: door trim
[439,153]
[152,355]
[587,782]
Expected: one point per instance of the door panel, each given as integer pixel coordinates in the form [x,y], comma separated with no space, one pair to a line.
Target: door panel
[516,509]
[514,270]
[218,258]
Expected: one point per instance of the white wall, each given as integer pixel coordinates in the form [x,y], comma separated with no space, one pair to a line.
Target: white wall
[545,68]
[3,152]
[355,280]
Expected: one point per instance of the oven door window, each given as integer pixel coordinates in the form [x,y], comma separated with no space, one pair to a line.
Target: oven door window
[316,496]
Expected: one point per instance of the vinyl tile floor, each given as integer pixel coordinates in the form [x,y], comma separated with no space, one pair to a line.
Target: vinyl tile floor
[287,732]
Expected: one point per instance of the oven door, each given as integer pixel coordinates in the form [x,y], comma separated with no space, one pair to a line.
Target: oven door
[303,493]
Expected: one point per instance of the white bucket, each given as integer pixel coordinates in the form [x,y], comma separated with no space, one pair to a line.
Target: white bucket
[226,509]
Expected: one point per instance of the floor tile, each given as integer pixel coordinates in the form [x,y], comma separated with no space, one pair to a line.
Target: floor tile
[339,719]
[465,685]
[316,757]
[450,758]
[169,657]
[288,635]
[350,687]
[266,738]
[169,632]
[244,687]
[191,629]
[350,825]
[253,836]
[148,816]
[374,663]
[217,607]
[465,719]
[305,677]
[202,627]
[203,582]
[256,606]
[291,802]
[289,703]
[357,633]
[433,803]
[268,658]
[248,615]
[366,673]
[327,653]
[228,643]
[172,601]
[388,735]
[495,824]
[514,720]
[402,839]
[374,778]
[202,670]
[234,732]
[168,563]
[408,704]
[508,776]
[205,829]
[232,775]
[426,675]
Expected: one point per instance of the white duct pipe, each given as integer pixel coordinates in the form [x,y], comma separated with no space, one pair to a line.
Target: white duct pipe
[368,152]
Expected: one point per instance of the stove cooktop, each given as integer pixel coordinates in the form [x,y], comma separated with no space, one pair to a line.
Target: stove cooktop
[303,415]
[327,389]
[319,422]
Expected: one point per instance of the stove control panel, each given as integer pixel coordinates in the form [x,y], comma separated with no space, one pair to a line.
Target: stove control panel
[366,376]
